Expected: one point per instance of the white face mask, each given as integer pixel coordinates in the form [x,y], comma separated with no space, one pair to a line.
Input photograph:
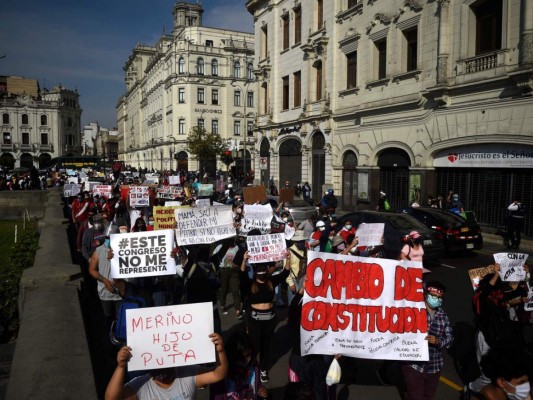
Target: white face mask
[322,228]
[348,227]
[521,391]
[238,210]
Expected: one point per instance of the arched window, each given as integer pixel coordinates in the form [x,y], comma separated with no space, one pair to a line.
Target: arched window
[250,72]
[200,66]
[181,65]
[214,67]
[236,69]
[25,119]
[44,120]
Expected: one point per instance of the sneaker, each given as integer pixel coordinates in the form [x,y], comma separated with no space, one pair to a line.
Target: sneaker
[264,377]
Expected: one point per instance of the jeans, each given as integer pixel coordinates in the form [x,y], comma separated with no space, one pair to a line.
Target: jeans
[419,385]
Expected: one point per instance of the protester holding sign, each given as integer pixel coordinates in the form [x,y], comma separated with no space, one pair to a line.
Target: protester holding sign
[160,384]
[422,378]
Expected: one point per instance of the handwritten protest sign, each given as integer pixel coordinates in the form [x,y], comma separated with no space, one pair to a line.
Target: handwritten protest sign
[164,217]
[254,194]
[73,179]
[142,254]
[169,192]
[174,180]
[139,196]
[511,266]
[370,234]
[364,307]
[205,190]
[256,216]
[102,190]
[90,185]
[170,336]
[289,231]
[203,225]
[265,248]
[203,202]
[476,274]
[286,194]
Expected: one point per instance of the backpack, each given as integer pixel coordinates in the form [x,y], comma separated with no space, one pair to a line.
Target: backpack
[118,328]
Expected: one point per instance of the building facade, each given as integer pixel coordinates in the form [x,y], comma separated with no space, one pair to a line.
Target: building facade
[37,125]
[196,76]
[418,98]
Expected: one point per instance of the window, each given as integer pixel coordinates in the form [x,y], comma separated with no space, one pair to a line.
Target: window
[201,123]
[25,138]
[44,138]
[264,42]
[69,122]
[200,66]
[250,99]
[351,70]
[318,74]
[250,71]
[208,43]
[320,14]
[214,126]
[7,137]
[236,69]
[285,21]
[298,25]
[237,128]
[200,95]
[297,89]
[381,52]
[44,120]
[214,96]
[352,3]
[214,67]
[25,119]
[285,93]
[237,98]
[181,95]
[264,98]
[181,66]
[181,127]
[411,39]
[250,128]
[5,118]
[488,25]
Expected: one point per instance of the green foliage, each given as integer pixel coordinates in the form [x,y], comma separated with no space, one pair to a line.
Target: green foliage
[204,145]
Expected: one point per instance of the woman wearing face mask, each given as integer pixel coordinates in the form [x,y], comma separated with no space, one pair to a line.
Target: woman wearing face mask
[140,225]
[508,376]
[413,249]
[260,314]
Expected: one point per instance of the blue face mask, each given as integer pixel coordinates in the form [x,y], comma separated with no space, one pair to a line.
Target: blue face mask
[433,301]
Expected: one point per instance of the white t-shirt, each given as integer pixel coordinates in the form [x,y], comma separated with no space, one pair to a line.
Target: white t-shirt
[183,387]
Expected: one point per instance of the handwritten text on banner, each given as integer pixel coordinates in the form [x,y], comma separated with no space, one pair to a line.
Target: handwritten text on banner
[203,225]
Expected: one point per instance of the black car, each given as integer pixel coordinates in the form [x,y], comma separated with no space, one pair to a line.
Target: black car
[457,232]
[397,226]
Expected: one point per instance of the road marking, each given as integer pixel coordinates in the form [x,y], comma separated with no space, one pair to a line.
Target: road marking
[451,384]
[448,266]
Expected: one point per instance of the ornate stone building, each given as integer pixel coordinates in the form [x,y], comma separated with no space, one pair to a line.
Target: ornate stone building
[195,76]
[411,97]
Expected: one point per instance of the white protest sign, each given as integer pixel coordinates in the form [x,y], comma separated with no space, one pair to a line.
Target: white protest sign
[289,231]
[139,196]
[370,234]
[102,190]
[90,185]
[169,192]
[203,225]
[173,203]
[140,254]
[203,202]
[529,305]
[511,266]
[170,336]
[256,216]
[73,180]
[265,248]
[71,189]
[71,172]
[216,203]
[364,307]
[174,180]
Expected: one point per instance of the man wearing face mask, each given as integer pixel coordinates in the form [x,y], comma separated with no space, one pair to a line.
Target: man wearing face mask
[422,378]
[298,263]
[347,230]
[314,240]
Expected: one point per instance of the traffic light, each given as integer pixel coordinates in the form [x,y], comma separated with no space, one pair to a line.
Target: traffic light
[227,158]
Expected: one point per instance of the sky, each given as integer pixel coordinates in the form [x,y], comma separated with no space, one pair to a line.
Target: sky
[84,44]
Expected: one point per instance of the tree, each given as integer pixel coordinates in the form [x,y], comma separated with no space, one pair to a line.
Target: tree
[205,146]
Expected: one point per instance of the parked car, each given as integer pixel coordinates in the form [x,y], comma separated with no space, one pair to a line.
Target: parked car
[457,233]
[397,226]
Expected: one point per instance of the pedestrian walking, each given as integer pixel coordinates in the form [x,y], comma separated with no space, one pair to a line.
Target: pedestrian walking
[517,214]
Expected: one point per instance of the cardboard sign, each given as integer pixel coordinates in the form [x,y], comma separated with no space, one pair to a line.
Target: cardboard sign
[164,217]
[205,190]
[102,190]
[511,266]
[364,307]
[174,180]
[169,192]
[203,225]
[370,234]
[265,248]
[476,274]
[286,194]
[254,194]
[203,202]
[170,336]
[257,216]
[139,196]
[141,254]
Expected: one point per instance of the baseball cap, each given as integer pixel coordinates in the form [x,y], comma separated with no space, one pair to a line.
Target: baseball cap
[320,223]
[414,235]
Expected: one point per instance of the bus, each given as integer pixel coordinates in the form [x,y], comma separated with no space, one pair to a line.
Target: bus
[75,162]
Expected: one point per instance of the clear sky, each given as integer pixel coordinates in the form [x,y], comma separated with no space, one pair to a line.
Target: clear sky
[84,44]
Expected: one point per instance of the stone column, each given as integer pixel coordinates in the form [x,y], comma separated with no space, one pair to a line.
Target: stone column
[526,36]
[444,45]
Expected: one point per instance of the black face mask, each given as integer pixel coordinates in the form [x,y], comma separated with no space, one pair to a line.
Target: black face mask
[417,241]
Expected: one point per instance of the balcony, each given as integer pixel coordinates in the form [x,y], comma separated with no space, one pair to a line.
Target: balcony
[45,147]
[7,147]
[484,66]
[26,147]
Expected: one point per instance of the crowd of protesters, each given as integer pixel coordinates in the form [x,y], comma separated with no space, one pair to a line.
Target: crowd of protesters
[221,273]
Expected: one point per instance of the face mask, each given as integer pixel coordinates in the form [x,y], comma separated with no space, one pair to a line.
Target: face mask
[433,301]
[286,208]
[285,219]
[122,230]
[322,228]
[348,227]
[521,391]
[151,223]
[238,210]
[353,250]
